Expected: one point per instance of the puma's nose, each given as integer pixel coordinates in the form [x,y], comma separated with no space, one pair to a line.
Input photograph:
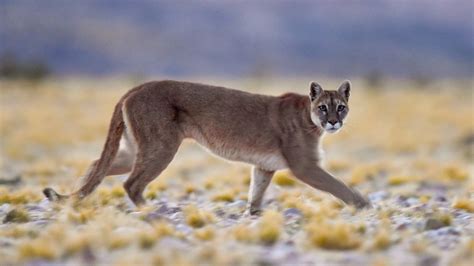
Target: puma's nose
[332,122]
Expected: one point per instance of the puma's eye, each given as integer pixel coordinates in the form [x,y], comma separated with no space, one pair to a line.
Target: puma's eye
[323,108]
[341,108]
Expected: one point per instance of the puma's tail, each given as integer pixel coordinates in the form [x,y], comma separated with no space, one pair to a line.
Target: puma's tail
[52,195]
[101,167]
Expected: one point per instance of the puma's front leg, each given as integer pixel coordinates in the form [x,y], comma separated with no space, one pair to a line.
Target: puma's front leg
[302,162]
[260,179]
[322,180]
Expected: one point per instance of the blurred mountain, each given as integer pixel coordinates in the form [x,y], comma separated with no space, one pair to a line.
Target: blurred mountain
[238,38]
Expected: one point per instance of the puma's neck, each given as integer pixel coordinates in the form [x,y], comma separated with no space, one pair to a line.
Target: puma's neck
[300,105]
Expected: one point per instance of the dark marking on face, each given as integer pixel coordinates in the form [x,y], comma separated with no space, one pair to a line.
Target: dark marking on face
[330,108]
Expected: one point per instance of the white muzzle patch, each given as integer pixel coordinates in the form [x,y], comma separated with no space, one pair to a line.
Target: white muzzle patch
[332,128]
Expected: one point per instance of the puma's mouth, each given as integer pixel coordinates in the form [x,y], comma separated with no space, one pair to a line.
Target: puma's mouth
[332,128]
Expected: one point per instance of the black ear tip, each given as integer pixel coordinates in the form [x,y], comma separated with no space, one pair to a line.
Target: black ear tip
[345,86]
[315,90]
[315,86]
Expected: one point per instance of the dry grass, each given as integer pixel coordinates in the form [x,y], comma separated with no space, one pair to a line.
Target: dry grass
[409,149]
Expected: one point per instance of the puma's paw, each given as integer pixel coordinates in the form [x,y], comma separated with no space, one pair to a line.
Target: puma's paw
[360,202]
[252,212]
[364,204]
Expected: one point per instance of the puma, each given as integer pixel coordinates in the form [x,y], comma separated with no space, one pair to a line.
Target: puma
[271,133]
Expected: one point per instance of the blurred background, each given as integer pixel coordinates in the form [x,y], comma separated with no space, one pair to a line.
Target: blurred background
[408,144]
[391,38]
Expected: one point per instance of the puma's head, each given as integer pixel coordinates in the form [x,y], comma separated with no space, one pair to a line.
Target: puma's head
[329,108]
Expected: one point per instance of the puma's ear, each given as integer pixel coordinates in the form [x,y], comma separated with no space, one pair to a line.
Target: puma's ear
[345,89]
[315,90]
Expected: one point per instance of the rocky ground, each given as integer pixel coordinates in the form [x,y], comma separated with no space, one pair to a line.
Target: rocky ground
[409,150]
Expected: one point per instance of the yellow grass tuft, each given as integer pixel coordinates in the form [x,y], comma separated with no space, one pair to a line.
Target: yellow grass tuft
[81,216]
[455,173]
[36,249]
[197,218]
[396,180]
[19,197]
[146,240]
[117,191]
[270,227]
[288,202]
[284,178]
[243,233]
[106,195]
[18,215]
[463,204]
[333,236]
[205,233]
[424,198]
[209,183]
[190,188]
[15,232]
[444,217]
[418,246]
[227,195]
[162,229]
[117,241]
[315,208]
[151,194]
[76,244]
[382,240]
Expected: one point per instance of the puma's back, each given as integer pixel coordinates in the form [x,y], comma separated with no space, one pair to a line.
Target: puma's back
[233,124]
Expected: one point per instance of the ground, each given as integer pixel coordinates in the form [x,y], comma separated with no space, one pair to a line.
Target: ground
[407,147]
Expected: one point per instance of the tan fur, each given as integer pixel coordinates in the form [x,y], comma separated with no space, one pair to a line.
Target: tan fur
[271,133]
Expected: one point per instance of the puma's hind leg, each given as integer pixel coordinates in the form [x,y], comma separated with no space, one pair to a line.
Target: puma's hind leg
[157,141]
[260,179]
[150,162]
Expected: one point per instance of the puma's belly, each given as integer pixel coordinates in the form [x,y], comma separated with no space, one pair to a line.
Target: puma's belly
[270,161]
[267,161]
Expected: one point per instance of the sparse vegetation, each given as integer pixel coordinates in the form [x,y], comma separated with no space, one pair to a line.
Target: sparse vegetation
[270,227]
[420,186]
[464,204]
[17,216]
[205,234]
[197,218]
[13,68]
[283,178]
[333,235]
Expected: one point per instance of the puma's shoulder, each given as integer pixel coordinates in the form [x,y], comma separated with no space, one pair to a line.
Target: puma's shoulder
[294,100]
